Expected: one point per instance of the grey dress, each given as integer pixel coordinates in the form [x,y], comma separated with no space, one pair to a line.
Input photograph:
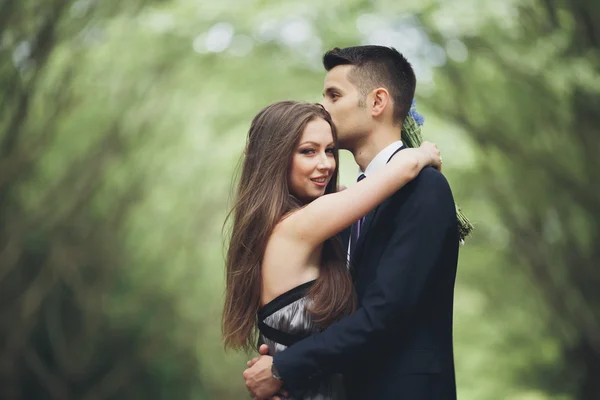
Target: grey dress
[284,321]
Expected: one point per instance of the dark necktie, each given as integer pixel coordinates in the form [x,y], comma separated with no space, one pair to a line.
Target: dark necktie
[356,227]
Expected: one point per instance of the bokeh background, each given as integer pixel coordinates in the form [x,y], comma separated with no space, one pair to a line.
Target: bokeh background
[121,126]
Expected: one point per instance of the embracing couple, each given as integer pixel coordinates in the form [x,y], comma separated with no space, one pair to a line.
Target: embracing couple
[348,291]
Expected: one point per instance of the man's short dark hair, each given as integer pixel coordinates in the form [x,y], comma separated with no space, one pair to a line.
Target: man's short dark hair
[377,66]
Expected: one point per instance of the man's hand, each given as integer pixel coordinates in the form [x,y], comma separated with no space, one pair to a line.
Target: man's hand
[263,350]
[259,380]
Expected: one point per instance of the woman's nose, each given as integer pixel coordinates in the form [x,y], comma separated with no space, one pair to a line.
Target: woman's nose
[325,162]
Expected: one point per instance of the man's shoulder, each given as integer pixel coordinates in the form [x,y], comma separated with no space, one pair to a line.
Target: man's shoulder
[428,180]
[431,176]
[429,188]
[428,191]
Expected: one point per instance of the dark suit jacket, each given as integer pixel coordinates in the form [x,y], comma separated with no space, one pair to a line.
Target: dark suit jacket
[398,344]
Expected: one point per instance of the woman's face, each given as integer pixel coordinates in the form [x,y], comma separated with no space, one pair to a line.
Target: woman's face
[313,162]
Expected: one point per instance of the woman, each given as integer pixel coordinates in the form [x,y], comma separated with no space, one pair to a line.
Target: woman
[284,262]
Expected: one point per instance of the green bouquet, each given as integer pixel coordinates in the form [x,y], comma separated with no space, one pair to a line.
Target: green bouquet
[411,137]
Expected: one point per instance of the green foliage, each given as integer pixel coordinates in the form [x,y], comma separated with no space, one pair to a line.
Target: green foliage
[121,124]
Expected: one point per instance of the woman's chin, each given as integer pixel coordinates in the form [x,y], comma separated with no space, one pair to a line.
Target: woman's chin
[312,197]
[317,196]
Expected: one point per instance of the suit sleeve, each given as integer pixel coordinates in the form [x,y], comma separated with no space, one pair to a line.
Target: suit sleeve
[421,227]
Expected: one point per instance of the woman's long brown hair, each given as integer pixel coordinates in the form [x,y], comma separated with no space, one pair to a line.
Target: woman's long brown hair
[262,199]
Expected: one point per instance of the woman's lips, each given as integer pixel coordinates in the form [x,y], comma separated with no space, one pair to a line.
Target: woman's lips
[321,182]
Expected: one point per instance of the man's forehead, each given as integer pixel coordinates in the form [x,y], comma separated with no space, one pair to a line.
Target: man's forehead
[337,75]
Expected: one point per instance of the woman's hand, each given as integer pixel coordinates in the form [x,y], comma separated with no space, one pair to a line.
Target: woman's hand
[432,151]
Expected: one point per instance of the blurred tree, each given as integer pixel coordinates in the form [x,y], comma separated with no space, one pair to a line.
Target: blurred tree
[74,323]
[121,123]
[528,95]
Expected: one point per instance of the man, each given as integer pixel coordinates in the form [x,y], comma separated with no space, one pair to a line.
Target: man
[398,344]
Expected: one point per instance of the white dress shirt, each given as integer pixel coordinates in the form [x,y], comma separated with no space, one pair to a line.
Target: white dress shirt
[381,158]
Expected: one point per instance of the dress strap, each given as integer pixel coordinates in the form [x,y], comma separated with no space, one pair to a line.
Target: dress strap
[284,299]
[284,338]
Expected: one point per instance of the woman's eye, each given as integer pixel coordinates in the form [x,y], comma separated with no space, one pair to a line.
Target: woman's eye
[330,150]
[307,151]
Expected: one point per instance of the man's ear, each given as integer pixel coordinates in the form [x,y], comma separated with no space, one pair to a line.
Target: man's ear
[380,98]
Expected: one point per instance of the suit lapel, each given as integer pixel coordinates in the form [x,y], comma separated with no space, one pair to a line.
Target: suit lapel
[356,253]
[365,229]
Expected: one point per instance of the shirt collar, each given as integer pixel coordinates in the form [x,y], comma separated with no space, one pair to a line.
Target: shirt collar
[381,158]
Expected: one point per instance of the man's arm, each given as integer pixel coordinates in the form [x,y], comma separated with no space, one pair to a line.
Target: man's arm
[421,227]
